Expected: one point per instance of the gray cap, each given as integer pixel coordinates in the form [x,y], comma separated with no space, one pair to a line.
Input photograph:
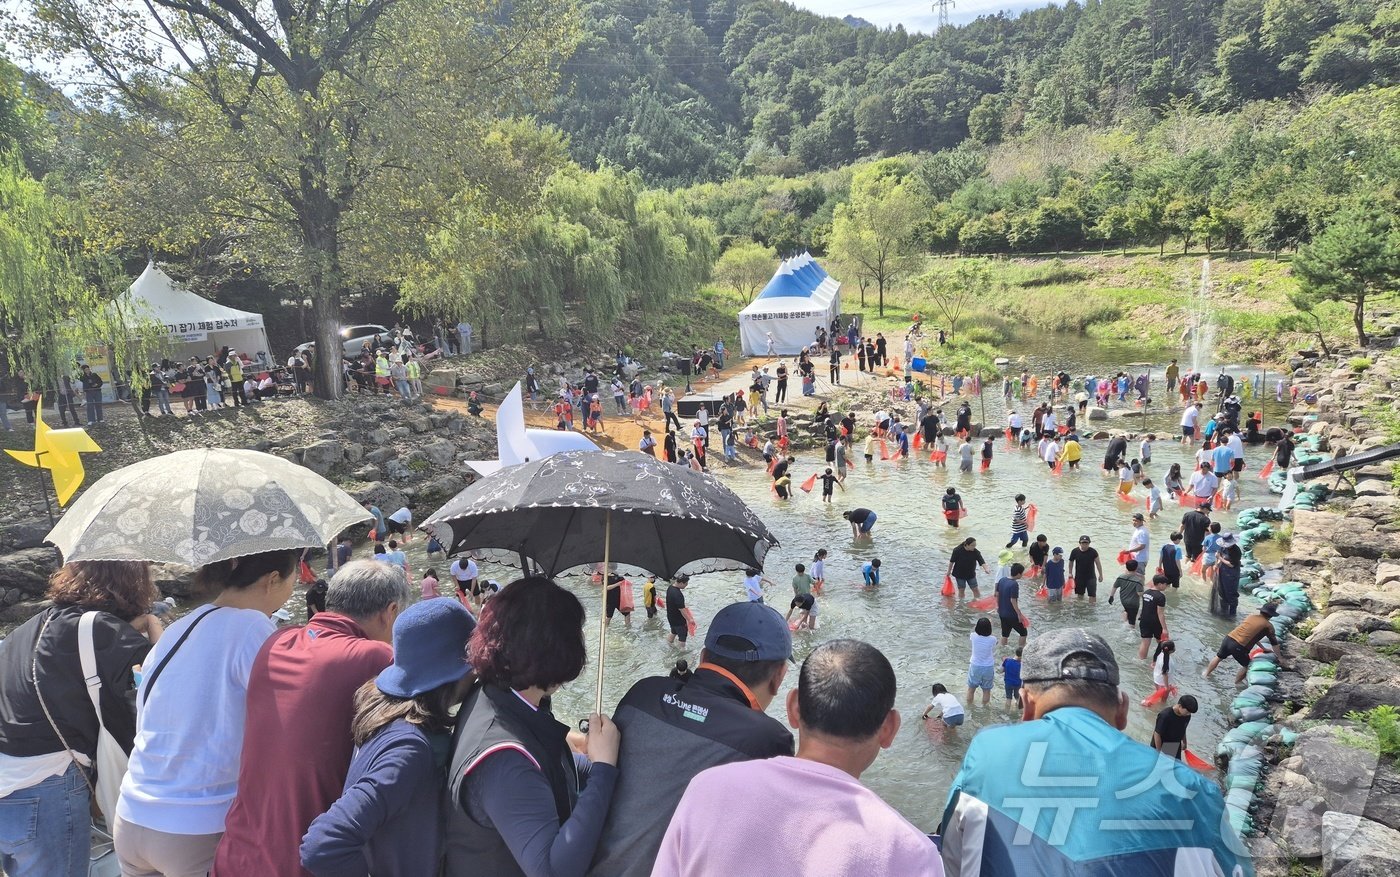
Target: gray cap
[1045,657]
[761,627]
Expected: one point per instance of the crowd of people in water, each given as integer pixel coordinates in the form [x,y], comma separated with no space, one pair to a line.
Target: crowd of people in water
[408,730]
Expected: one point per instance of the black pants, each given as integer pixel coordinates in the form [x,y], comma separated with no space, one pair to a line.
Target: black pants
[239,400]
[782,390]
[835,372]
[146,401]
[672,418]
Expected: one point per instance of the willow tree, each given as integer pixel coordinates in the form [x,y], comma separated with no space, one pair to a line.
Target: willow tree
[594,247]
[57,303]
[324,138]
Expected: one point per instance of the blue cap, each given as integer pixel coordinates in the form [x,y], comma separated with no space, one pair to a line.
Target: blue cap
[1057,550]
[762,626]
[430,648]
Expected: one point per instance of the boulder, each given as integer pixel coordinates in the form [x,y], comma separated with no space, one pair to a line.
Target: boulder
[1387,571]
[399,433]
[378,437]
[1345,697]
[322,456]
[1097,413]
[1345,624]
[28,569]
[1348,838]
[380,455]
[1339,771]
[384,495]
[443,487]
[418,423]
[1297,818]
[27,533]
[397,471]
[1372,487]
[1383,639]
[368,473]
[354,452]
[440,453]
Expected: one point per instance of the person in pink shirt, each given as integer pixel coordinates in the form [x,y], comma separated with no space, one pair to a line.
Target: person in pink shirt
[807,816]
[429,584]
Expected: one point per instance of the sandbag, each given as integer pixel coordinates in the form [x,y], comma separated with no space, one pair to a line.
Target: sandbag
[1249,713]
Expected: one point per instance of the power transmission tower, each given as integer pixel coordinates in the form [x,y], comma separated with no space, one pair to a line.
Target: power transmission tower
[943,6]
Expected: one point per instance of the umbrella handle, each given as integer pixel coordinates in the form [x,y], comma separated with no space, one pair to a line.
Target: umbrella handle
[603,616]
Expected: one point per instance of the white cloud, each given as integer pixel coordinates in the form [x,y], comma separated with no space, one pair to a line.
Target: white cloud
[915,15]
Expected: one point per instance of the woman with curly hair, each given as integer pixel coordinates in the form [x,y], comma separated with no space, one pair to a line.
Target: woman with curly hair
[522,802]
[190,715]
[48,728]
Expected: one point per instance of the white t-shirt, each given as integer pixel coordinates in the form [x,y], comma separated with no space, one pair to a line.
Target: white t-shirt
[402,516]
[1052,451]
[753,587]
[1236,445]
[1014,421]
[189,728]
[1203,485]
[1189,416]
[1047,423]
[1139,537]
[818,570]
[463,573]
[1159,678]
[947,704]
[983,650]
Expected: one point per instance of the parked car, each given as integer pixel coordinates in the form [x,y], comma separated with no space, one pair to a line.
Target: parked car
[352,338]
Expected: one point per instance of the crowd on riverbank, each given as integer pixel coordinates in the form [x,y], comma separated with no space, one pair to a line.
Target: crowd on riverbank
[520,801]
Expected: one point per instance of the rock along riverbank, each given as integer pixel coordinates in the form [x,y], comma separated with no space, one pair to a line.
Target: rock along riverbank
[1330,803]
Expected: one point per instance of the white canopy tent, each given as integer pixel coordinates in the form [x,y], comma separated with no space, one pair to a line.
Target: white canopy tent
[196,326]
[799,299]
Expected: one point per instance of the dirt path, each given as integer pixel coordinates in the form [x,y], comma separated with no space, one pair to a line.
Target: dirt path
[625,433]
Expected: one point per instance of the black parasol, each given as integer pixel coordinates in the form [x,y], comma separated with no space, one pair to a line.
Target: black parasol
[562,511]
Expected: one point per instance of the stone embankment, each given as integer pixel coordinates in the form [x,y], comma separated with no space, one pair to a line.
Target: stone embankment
[1331,802]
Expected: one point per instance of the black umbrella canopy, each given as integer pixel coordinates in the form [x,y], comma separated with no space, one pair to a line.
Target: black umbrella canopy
[664,517]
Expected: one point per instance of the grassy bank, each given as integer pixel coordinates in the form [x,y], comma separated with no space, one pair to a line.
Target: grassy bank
[1140,296]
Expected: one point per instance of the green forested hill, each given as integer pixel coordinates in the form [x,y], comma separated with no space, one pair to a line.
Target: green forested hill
[687,90]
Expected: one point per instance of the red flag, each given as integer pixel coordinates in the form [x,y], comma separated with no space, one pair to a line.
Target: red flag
[809,483]
[1268,468]
[947,585]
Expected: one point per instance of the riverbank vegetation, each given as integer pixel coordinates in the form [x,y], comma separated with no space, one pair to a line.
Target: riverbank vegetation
[629,155]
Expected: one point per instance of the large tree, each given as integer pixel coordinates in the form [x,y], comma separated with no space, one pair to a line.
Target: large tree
[323,138]
[874,231]
[1354,260]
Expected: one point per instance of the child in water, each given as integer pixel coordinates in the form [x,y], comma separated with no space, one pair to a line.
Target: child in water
[1154,498]
[1055,575]
[1230,490]
[1173,482]
[1011,671]
[829,483]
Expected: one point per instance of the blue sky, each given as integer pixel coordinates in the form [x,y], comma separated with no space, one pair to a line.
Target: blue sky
[915,15]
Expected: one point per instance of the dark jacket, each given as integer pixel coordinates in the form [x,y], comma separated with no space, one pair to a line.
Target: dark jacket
[663,747]
[389,819]
[24,730]
[513,760]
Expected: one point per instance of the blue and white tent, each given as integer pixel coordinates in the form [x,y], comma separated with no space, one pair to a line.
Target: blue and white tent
[784,317]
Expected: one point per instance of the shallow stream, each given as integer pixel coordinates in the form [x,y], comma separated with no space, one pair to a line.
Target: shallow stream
[924,635]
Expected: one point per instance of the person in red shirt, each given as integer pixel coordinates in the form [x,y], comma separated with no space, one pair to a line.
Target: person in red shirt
[297,744]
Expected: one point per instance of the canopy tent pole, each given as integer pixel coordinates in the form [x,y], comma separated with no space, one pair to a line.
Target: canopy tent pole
[603,616]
